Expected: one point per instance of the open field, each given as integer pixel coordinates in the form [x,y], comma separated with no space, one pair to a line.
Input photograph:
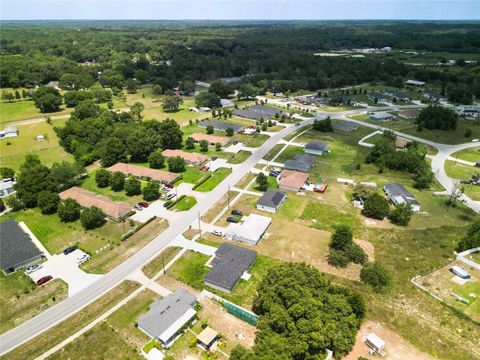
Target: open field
[49,150]
[216,178]
[154,266]
[240,157]
[22,110]
[471,154]
[58,333]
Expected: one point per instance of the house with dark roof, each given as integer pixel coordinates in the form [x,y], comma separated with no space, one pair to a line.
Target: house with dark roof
[16,248]
[432,96]
[381,116]
[300,162]
[378,97]
[221,125]
[347,126]
[398,194]
[167,317]
[257,112]
[271,200]
[316,148]
[228,265]
[398,95]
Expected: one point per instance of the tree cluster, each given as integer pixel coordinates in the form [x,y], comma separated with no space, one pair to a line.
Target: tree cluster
[323,125]
[436,117]
[343,249]
[471,239]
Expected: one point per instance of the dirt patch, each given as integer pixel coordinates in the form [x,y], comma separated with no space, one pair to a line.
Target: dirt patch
[173,284]
[396,347]
[380,224]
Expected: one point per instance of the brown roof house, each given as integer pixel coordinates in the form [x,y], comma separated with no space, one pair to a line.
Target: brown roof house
[143,172]
[114,210]
[292,180]
[212,139]
[190,158]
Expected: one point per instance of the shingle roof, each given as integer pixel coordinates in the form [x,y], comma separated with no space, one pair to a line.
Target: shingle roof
[16,247]
[212,139]
[345,125]
[220,125]
[294,179]
[301,162]
[271,198]
[140,171]
[398,190]
[317,146]
[189,157]
[257,112]
[229,264]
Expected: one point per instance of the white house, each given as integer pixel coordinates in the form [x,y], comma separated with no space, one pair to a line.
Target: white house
[6,187]
[8,132]
[226,103]
[271,201]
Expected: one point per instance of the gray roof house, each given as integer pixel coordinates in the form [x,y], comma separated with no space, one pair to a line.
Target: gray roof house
[381,116]
[257,112]
[6,187]
[415,83]
[301,162]
[228,265]
[345,126]
[16,248]
[271,200]
[316,148]
[221,125]
[168,316]
[378,96]
[226,103]
[398,194]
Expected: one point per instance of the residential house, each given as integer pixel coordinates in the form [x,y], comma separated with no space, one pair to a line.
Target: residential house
[398,194]
[16,248]
[7,187]
[347,126]
[432,96]
[228,265]
[398,95]
[212,139]
[140,172]
[292,180]
[8,132]
[415,83]
[381,116]
[378,97]
[167,317]
[250,230]
[316,148]
[257,112]
[468,112]
[300,162]
[221,125]
[115,210]
[232,80]
[226,103]
[271,200]
[190,158]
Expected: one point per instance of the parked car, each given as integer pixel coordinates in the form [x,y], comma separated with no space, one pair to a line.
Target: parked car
[297,124]
[169,186]
[70,250]
[166,203]
[235,142]
[204,168]
[214,158]
[44,280]
[217,232]
[138,207]
[81,259]
[237,212]
[273,173]
[170,196]
[33,268]
[143,204]
[231,219]
[475,140]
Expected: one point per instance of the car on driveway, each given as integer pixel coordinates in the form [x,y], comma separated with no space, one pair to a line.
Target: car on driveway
[169,186]
[170,196]
[143,204]
[70,250]
[138,207]
[217,232]
[33,268]
[297,124]
[44,280]
[82,258]
[274,173]
[231,219]
[166,203]
[237,212]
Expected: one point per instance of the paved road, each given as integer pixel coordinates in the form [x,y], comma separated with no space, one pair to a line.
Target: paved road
[68,307]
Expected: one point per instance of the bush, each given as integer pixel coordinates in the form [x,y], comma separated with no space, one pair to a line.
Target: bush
[69,210]
[15,203]
[102,178]
[2,205]
[356,254]
[176,164]
[133,186]
[341,238]
[203,145]
[375,275]
[48,201]
[262,181]
[210,129]
[156,160]
[151,191]
[376,207]
[471,239]
[401,215]
[92,218]
[117,181]
[229,132]
[338,258]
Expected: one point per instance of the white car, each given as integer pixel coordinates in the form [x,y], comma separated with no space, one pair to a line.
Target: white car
[475,140]
[33,268]
[81,259]
[217,232]
[170,196]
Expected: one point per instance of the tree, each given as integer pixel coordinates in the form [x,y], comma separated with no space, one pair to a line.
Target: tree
[114,151]
[338,258]
[151,191]
[171,103]
[170,134]
[323,125]
[15,203]
[376,207]
[375,275]
[247,91]
[262,181]
[117,181]
[190,143]
[343,250]
[133,186]
[468,133]
[203,145]
[207,99]
[65,175]
[157,90]
[6,95]
[436,117]
[218,147]
[136,111]
[48,201]
[401,215]
[17,95]
[7,173]
[69,210]
[131,85]
[471,239]
[92,218]
[459,93]
[102,178]
[156,160]
[210,129]
[362,192]
[176,164]
[229,132]
[341,238]
[47,99]
[220,89]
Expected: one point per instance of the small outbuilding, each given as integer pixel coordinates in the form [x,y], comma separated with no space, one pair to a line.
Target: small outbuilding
[207,338]
[271,201]
[415,83]
[8,132]
[457,270]
[375,343]
[7,187]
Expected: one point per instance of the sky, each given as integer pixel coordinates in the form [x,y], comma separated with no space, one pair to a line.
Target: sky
[240,9]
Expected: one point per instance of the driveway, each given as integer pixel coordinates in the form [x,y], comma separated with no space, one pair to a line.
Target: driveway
[156,209]
[65,267]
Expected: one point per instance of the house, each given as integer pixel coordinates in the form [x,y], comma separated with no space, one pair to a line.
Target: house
[168,317]
[292,180]
[468,111]
[271,200]
[300,162]
[6,187]
[140,172]
[229,264]
[205,108]
[347,126]
[381,116]
[115,210]
[378,97]
[225,103]
[257,112]
[401,143]
[212,139]
[231,80]
[250,230]
[207,338]
[221,125]
[16,248]
[415,83]
[409,114]
[54,84]
[398,95]
[190,158]
[316,148]
[8,132]
[399,195]
[432,96]
[375,343]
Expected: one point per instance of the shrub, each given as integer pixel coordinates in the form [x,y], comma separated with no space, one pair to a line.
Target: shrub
[375,275]
[356,254]
[375,206]
[338,258]
[176,164]
[102,178]
[156,160]
[133,186]
[341,238]
[401,215]
[151,191]
[69,210]
[48,201]
[92,218]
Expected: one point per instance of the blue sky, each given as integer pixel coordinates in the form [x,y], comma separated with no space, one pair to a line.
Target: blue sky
[240,9]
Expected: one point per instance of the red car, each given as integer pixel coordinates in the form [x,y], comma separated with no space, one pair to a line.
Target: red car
[143,204]
[170,186]
[44,280]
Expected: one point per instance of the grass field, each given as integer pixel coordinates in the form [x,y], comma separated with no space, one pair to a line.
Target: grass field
[240,157]
[190,269]
[471,154]
[154,266]
[186,203]
[216,178]
[48,150]
[22,110]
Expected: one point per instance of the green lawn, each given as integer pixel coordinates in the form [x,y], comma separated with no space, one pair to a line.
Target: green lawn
[471,154]
[13,150]
[460,171]
[216,178]
[326,216]
[271,154]
[191,175]
[186,203]
[289,153]
[154,266]
[240,157]
[22,110]
[190,269]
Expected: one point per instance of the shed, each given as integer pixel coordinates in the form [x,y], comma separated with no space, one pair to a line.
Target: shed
[375,343]
[207,338]
[415,83]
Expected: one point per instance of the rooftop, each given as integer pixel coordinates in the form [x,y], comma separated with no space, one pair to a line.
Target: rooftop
[221,125]
[251,229]
[301,162]
[189,157]
[294,179]
[271,198]
[140,171]
[345,125]
[207,336]
[317,146]
[212,139]
[399,191]
[381,115]
[415,82]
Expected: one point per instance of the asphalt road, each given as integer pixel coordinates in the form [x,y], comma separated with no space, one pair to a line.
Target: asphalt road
[47,319]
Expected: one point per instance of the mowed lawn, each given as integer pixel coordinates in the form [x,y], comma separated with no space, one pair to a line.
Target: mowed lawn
[22,110]
[472,154]
[216,178]
[48,150]
[186,203]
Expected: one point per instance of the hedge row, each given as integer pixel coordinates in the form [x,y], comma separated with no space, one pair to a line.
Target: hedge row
[173,203]
[137,228]
[201,181]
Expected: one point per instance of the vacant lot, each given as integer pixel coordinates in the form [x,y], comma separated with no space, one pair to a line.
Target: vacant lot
[186,203]
[154,266]
[216,178]
[471,154]
[21,110]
